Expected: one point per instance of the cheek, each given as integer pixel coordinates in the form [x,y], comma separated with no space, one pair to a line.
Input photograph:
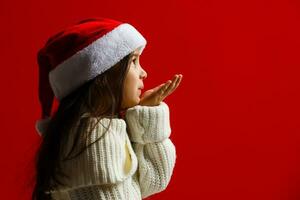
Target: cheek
[131,98]
[131,93]
[131,81]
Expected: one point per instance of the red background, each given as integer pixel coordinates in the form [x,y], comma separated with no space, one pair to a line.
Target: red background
[234,118]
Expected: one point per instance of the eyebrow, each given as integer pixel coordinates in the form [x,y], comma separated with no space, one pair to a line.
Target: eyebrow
[136,54]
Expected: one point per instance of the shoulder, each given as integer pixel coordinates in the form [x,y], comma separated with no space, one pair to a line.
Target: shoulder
[104,122]
[98,127]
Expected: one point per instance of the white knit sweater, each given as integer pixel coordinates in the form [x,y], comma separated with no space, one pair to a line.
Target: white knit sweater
[123,166]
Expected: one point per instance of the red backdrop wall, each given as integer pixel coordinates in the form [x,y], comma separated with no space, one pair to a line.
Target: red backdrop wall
[235,116]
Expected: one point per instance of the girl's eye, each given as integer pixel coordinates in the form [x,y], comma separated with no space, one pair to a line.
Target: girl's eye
[134,61]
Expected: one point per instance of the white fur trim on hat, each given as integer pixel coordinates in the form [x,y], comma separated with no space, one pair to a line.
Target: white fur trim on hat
[94,59]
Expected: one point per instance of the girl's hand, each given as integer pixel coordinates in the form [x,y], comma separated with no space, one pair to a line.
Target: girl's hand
[154,96]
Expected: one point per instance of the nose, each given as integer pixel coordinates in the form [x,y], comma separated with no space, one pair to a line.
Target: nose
[143,74]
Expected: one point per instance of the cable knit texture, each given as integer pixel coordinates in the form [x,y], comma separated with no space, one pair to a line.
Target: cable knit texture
[134,159]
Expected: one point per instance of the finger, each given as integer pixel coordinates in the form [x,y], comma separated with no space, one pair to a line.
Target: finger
[148,92]
[164,91]
[171,86]
[164,87]
[177,82]
[158,87]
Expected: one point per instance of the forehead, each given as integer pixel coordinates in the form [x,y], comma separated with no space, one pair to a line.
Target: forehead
[136,53]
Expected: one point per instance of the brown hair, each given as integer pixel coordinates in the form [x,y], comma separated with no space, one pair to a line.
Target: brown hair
[100,97]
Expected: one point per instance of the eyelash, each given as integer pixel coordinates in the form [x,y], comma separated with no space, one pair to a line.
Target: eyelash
[134,61]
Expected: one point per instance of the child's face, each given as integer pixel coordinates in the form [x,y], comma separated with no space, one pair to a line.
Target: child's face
[133,82]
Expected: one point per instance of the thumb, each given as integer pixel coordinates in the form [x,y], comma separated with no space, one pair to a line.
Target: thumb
[158,87]
[148,92]
[151,91]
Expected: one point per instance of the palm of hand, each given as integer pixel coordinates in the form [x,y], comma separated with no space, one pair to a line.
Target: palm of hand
[154,96]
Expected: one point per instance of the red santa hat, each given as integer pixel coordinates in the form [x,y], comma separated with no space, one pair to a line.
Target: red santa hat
[78,54]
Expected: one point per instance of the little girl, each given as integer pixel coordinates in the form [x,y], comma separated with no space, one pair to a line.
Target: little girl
[105,140]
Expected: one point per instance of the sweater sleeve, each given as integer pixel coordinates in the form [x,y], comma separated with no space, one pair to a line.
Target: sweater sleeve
[149,131]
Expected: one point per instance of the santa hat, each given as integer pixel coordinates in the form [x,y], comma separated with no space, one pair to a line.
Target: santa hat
[78,54]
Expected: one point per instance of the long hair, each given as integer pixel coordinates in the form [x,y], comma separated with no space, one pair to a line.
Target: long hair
[100,97]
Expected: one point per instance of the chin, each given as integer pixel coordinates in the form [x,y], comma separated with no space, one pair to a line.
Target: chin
[137,102]
[134,103]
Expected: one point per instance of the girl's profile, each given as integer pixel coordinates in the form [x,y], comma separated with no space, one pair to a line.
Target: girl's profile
[107,139]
